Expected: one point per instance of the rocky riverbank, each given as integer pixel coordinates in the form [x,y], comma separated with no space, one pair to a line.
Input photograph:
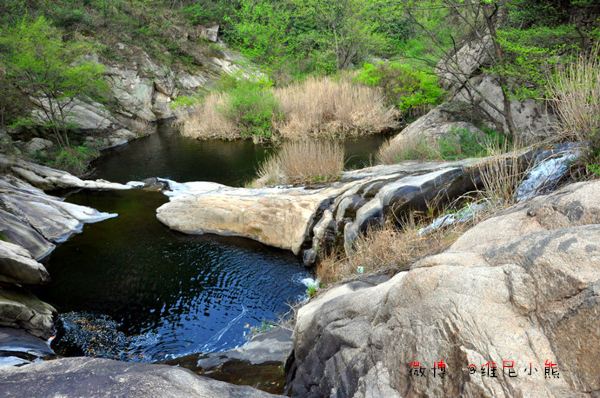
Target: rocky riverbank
[32,223]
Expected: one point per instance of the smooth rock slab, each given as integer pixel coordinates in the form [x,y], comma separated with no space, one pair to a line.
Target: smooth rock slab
[87,377]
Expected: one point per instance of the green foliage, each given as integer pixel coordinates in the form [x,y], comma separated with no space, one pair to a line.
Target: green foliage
[250,104]
[530,55]
[413,91]
[41,64]
[463,143]
[185,101]
[75,160]
[419,149]
[311,291]
[593,168]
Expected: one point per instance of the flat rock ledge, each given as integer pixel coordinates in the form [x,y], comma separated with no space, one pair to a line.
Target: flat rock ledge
[310,220]
[88,377]
[523,286]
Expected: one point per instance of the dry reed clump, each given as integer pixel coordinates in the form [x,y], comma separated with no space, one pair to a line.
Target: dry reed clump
[501,174]
[576,96]
[301,162]
[207,120]
[388,248]
[322,107]
[398,149]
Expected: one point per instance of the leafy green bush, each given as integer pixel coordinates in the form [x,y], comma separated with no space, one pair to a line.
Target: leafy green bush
[251,105]
[413,91]
[463,143]
[530,55]
[75,160]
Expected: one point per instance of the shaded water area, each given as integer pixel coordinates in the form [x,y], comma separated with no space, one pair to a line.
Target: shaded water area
[172,294]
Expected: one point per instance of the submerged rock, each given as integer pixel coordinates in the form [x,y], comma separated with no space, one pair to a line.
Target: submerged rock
[310,221]
[87,377]
[90,335]
[522,286]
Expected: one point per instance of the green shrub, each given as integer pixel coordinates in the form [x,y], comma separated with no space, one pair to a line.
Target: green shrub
[531,54]
[75,160]
[252,106]
[463,143]
[594,169]
[413,91]
[185,101]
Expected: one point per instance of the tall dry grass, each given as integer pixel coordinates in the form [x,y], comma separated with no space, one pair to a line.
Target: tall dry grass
[323,107]
[399,149]
[302,162]
[388,248]
[208,120]
[501,174]
[576,95]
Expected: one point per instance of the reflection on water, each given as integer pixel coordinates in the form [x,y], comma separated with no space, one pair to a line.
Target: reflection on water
[174,294]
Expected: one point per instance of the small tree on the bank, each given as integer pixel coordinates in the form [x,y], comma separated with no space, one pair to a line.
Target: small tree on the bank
[50,71]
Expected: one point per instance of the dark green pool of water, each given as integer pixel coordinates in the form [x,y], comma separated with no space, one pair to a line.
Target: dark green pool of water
[175,294]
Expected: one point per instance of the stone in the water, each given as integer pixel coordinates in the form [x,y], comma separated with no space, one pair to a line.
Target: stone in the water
[90,335]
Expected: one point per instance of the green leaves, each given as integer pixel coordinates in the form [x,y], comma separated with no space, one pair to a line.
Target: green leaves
[52,71]
[412,90]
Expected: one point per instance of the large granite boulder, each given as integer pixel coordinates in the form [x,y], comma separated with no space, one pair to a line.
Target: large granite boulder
[18,266]
[310,221]
[521,289]
[87,377]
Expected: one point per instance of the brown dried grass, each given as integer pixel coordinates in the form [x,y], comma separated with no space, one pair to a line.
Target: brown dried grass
[302,162]
[207,120]
[323,107]
[387,249]
[576,95]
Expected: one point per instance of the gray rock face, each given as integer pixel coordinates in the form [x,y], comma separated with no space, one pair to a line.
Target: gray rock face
[522,286]
[532,120]
[32,222]
[17,266]
[312,220]
[260,362]
[38,144]
[461,74]
[20,309]
[86,377]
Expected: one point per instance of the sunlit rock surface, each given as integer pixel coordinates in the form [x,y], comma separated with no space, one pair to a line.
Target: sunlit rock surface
[523,286]
[307,220]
